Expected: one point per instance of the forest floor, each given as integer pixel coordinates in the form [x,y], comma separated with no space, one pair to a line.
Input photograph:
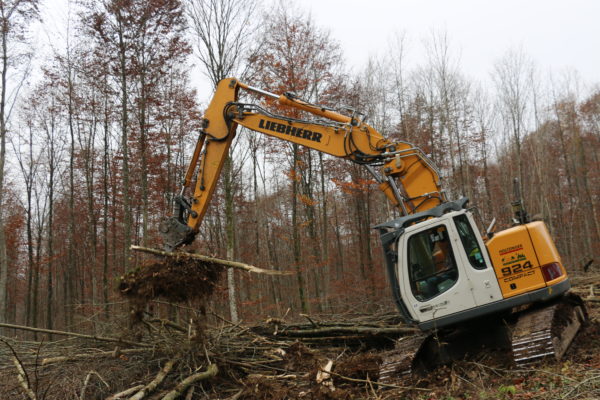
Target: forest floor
[324,357]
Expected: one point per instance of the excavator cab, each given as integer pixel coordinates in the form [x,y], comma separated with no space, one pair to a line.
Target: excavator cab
[443,274]
[447,269]
[432,265]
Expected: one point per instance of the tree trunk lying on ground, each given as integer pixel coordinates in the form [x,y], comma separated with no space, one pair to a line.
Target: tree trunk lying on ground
[73,334]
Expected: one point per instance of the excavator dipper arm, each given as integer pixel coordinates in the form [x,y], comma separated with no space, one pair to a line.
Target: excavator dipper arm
[406,176]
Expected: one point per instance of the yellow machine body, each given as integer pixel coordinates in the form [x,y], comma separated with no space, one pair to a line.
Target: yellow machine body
[518,254]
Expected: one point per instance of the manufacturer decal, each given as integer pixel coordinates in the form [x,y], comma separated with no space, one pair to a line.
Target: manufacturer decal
[521,275]
[517,268]
[511,249]
[290,130]
[513,259]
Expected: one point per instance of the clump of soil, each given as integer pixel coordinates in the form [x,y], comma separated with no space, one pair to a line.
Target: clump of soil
[175,279]
[585,349]
[359,366]
[301,358]
[258,388]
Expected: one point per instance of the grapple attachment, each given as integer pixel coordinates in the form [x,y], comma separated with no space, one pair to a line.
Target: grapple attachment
[175,233]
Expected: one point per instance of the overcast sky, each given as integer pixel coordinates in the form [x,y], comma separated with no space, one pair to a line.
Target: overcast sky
[557,34]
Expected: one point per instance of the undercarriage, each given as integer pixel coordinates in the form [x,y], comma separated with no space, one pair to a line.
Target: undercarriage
[539,332]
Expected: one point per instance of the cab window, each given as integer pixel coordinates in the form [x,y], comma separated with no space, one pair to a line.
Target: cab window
[431,263]
[469,242]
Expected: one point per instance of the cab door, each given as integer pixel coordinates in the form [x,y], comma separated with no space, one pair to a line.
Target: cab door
[432,273]
[472,252]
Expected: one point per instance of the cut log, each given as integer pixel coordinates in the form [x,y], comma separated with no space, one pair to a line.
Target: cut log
[362,330]
[74,334]
[226,263]
[77,357]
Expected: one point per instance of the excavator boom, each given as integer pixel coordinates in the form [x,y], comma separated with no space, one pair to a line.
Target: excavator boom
[404,173]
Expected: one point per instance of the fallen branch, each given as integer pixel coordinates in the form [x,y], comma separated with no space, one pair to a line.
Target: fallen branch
[182,386]
[227,263]
[169,324]
[309,320]
[87,381]
[595,299]
[124,393]
[236,396]
[292,377]
[149,388]
[73,334]
[22,378]
[77,357]
[387,385]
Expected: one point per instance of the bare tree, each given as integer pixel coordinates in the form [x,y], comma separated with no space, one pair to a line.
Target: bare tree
[15,16]
[222,29]
[28,160]
[398,73]
[512,78]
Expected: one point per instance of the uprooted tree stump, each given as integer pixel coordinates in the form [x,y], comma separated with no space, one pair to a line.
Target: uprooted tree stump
[179,276]
[175,279]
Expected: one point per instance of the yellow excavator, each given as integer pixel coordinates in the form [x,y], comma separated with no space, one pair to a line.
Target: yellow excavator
[445,276]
